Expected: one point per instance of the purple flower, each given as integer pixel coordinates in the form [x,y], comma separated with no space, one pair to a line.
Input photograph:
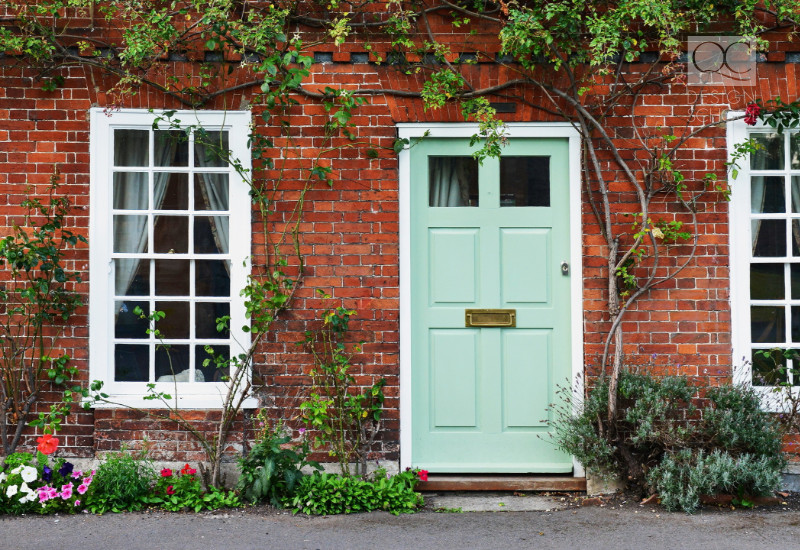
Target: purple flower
[66,469]
[47,474]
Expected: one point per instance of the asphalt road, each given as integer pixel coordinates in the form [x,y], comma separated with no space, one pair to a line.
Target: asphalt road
[629,527]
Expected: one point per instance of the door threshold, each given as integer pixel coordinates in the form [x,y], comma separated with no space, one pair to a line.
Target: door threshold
[501,482]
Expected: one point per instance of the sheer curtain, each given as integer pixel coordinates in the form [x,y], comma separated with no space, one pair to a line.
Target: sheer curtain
[449,182]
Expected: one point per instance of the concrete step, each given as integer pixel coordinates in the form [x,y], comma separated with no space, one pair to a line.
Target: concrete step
[501,482]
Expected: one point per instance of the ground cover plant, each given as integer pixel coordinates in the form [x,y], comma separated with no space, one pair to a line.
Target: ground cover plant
[661,442]
[122,482]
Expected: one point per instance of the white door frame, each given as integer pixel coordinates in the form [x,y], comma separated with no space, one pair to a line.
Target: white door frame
[466,130]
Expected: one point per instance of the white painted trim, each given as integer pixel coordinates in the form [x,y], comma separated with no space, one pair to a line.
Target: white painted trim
[513,131]
[101,353]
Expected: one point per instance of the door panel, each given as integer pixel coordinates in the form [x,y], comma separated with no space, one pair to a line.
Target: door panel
[488,236]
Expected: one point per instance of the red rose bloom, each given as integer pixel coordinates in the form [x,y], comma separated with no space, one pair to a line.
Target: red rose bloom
[751,114]
[187,470]
[170,490]
[423,475]
[47,444]
[166,472]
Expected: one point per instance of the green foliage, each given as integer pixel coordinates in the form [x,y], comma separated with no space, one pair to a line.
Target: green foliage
[320,494]
[178,491]
[346,418]
[272,469]
[122,483]
[661,443]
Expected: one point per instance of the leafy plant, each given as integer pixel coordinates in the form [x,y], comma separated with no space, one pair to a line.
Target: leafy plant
[182,490]
[346,418]
[320,494]
[272,469]
[122,483]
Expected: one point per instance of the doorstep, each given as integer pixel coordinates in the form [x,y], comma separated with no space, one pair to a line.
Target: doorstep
[501,482]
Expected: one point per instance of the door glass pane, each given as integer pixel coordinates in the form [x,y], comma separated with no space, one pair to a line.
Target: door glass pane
[171,234]
[211,234]
[175,323]
[131,148]
[172,363]
[131,363]
[130,191]
[130,234]
[524,181]
[768,371]
[172,277]
[211,149]
[171,191]
[767,194]
[126,323]
[206,315]
[212,371]
[131,277]
[212,278]
[211,192]
[453,181]
[171,148]
[769,238]
[766,282]
[770,154]
[767,324]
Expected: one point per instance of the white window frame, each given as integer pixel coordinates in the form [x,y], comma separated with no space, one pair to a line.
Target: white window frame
[101,287]
[740,245]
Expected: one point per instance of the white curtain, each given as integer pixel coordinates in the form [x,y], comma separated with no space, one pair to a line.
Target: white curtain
[449,185]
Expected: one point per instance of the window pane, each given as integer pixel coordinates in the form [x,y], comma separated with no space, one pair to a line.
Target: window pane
[211,234]
[795,238]
[130,191]
[171,148]
[794,146]
[172,234]
[770,156]
[130,234]
[795,324]
[211,149]
[175,323]
[131,148]
[769,238]
[766,282]
[767,194]
[171,191]
[211,192]
[131,277]
[767,324]
[453,181]
[212,278]
[524,181]
[211,372]
[172,277]
[768,371]
[127,324]
[795,274]
[172,363]
[131,363]
[206,315]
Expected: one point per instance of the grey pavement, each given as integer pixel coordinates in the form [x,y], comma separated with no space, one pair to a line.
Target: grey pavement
[630,526]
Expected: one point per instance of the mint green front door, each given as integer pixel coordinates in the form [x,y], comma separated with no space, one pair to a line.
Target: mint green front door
[495,237]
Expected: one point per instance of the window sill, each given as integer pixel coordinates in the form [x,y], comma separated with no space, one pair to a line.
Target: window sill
[185,402]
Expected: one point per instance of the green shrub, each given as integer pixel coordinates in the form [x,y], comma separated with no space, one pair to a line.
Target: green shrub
[122,483]
[321,494]
[182,490]
[271,470]
[662,443]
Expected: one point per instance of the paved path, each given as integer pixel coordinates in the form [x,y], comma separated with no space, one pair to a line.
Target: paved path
[628,527]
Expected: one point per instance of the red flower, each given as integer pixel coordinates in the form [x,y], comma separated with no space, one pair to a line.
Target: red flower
[170,490]
[47,444]
[423,475]
[187,470]
[751,114]
[166,472]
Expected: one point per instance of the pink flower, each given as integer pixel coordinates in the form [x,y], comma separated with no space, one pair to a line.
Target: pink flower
[751,114]
[44,494]
[82,488]
[302,431]
[66,491]
[423,475]
[87,481]
[77,503]
[166,472]
[76,474]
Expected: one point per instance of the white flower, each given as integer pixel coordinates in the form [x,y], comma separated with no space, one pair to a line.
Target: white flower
[11,491]
[17,470]
[3,477]
[25,489]
[29,497]
[29,474]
